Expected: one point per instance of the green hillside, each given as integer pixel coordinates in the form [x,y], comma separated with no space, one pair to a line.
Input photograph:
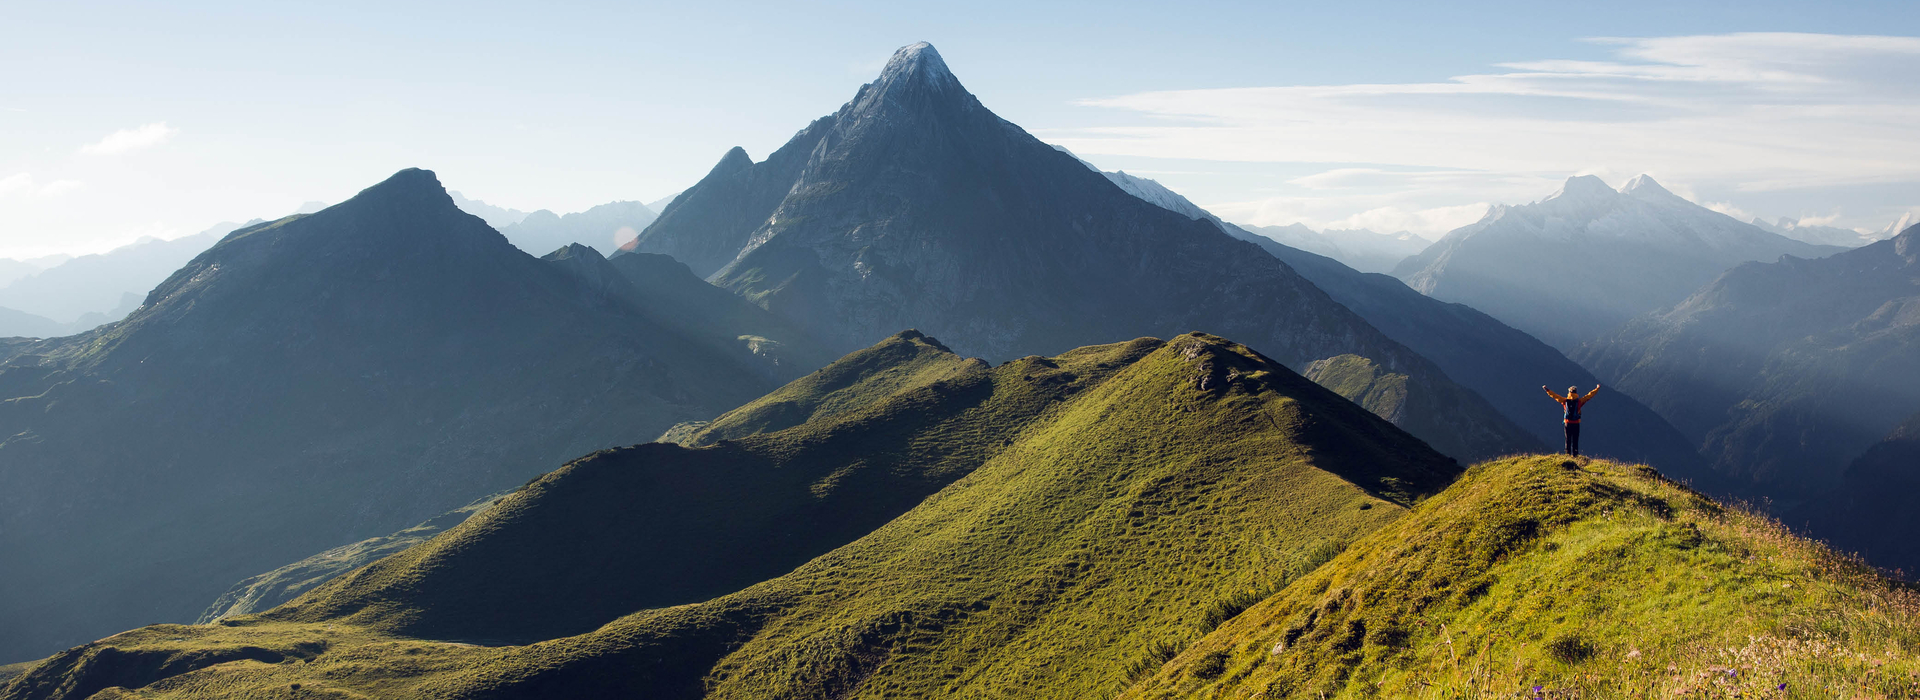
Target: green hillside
[1587,579]
[1145,520]
[1089,514]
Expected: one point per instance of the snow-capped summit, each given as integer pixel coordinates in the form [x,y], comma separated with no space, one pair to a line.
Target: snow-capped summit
[1583,188]
[1581,262]
[917,63]
[1644,187]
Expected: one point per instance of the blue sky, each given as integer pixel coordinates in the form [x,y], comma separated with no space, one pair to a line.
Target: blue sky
[122,120]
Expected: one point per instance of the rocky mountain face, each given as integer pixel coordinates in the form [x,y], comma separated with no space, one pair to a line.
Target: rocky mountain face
[604,227]
[1579,264]
[915,206]
[315,381]
[1782,372]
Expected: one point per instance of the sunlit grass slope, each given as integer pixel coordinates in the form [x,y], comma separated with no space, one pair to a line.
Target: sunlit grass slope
[1127,499]
[1586,579]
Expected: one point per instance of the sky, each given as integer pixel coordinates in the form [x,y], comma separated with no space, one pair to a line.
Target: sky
[123,120]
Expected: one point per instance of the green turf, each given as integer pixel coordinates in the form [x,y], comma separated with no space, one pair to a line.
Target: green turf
[1588,579]
[1098,507]
[1143,520]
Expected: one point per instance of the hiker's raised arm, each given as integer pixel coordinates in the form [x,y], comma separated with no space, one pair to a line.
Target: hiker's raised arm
[1555,396]
[1589,396]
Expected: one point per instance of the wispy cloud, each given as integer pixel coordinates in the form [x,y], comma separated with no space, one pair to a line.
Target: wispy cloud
[1750,112]
[23,183]
[125,140]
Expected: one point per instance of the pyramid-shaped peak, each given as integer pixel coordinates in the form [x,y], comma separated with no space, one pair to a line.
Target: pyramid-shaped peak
[1644,184]
[408,181]
[918,60]
[735,159]
[1584,187]
[571,251]
[916,75]
[412,189]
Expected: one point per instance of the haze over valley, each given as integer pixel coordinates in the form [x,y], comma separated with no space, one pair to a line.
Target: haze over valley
[1077,380]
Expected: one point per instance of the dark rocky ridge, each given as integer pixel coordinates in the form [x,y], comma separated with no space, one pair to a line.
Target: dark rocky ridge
[915,206]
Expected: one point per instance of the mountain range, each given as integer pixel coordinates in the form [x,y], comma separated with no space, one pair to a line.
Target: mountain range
[605,227]
[324,378]
[915,206]
[1476,350]
[765,488]
[1822,235]
[1577,265]
[86,291]
[1782,372]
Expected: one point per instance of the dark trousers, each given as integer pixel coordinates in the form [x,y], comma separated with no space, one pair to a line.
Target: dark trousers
[1573,438]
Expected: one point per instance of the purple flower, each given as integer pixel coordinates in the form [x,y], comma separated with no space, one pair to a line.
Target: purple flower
[1782,686]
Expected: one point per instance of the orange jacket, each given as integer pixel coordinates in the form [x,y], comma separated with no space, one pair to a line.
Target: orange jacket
[1574,408]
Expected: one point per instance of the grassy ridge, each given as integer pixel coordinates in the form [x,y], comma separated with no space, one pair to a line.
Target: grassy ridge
[1586,579]
[1161,488]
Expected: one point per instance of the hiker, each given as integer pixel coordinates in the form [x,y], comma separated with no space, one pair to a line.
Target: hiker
[1572,403]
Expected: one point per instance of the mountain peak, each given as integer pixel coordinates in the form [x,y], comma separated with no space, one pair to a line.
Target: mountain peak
[916,76]
[1644,184]
[412,187]
[736,159]
[916,61]
[1583,187]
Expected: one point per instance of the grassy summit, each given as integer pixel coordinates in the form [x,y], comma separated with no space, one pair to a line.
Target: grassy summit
[1587,579]
[1089,514]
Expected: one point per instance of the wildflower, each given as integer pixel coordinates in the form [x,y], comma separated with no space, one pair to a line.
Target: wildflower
[1781,687]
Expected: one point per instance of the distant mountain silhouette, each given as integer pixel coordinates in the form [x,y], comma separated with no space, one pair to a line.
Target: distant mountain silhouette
[1782,372]
[1360,249]
[14,324]
[915,206]
[604,227]
[496,216]
[1578,264]
[98,283]
[317,380]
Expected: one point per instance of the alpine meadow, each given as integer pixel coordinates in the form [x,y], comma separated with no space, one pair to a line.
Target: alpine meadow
[1288,351]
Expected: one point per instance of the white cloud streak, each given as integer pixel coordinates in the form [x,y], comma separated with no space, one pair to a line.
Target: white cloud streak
[23,183]
[1750,112]
[127,140]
